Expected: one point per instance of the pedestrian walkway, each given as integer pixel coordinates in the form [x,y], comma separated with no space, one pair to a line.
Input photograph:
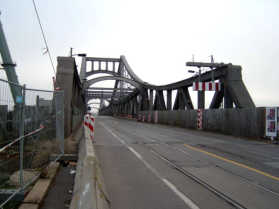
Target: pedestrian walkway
[60,193]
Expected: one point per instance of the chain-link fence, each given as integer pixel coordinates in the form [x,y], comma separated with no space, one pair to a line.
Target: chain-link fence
[31,129]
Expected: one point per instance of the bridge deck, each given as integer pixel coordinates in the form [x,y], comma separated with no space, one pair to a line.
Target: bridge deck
[155,166]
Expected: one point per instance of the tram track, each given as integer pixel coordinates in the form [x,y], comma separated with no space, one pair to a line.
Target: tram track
[198,180]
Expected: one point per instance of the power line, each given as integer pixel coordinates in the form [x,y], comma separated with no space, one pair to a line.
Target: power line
[44,37]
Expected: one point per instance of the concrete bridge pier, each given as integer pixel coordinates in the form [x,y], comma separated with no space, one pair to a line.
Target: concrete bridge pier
[67,79]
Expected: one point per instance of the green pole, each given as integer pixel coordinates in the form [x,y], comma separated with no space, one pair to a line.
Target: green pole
[8,65]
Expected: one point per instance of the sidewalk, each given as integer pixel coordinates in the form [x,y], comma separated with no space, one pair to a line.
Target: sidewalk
[60,194]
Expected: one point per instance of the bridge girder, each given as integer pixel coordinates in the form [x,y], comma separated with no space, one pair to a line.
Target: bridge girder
[146,96]
[91,82]
[101,72]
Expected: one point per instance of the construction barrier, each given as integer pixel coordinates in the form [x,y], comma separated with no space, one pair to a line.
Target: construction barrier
[206,86]
[89,123]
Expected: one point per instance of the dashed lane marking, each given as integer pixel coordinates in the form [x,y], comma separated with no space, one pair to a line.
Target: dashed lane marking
[185,199]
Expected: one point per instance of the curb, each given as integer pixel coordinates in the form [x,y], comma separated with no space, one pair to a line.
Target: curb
[36,196]
[89,189]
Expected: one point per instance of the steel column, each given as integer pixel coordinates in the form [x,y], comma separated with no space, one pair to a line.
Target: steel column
[201,99]
[176,101]
[151,100]
[186,98]
[169,99]
[181,101]
[228,102]
[82,73]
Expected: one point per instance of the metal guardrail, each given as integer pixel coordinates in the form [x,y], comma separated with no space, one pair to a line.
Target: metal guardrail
[31,128]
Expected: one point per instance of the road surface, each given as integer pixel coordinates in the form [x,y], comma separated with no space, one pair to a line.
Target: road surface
[150,166]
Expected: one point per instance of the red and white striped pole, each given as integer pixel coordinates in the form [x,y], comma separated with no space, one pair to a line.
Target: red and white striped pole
[89,124]
[199,119]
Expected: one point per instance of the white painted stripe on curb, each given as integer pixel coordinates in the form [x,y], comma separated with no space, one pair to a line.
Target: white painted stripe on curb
[185,199]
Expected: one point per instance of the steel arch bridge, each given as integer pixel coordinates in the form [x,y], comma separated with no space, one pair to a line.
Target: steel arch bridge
[131,95]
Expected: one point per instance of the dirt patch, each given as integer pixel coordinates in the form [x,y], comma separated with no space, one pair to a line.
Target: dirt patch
[27,177]
[47,147]
[71,143]
[44,149]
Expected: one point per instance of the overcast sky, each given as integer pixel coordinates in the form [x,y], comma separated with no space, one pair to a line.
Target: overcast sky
[156,36]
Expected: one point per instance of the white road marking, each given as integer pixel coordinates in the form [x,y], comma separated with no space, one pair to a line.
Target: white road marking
[135,153]
[185,199]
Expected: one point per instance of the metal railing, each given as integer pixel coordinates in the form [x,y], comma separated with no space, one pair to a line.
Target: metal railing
[31,128]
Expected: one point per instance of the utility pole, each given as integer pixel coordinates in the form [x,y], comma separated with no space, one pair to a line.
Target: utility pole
[71,52]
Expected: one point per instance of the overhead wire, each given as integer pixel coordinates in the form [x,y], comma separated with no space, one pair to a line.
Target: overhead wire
[44,37]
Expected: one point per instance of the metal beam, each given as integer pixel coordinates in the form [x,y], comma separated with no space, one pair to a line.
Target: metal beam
[237,89]
[187,98]
[201,99]
[205,77]
[104,95]
[205,64]
[102,72]
[176,101]
[8,65]
[88,83]
[159,101]
[109,89]
[102,59]
[169,99]
[217,99]
[82,73]
[181,104]
[151,100]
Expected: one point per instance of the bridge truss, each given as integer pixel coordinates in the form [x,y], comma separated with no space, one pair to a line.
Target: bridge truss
[130,94]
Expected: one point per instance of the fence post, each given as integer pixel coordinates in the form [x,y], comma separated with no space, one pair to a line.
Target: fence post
[37,114]
[21,134]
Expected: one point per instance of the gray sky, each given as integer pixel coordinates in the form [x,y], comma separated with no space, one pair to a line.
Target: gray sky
[156,36]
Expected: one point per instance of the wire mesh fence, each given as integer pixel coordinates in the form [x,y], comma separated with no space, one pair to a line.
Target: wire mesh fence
[31,128]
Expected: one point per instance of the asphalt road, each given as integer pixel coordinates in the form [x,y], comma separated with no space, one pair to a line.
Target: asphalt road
[148,166]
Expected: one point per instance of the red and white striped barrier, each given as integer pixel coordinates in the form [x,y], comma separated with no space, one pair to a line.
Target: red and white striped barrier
[199,119]
[89,124]
[206,86]
[22,137]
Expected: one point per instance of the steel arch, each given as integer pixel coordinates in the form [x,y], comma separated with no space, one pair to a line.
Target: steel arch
[101,71]
[88,83]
